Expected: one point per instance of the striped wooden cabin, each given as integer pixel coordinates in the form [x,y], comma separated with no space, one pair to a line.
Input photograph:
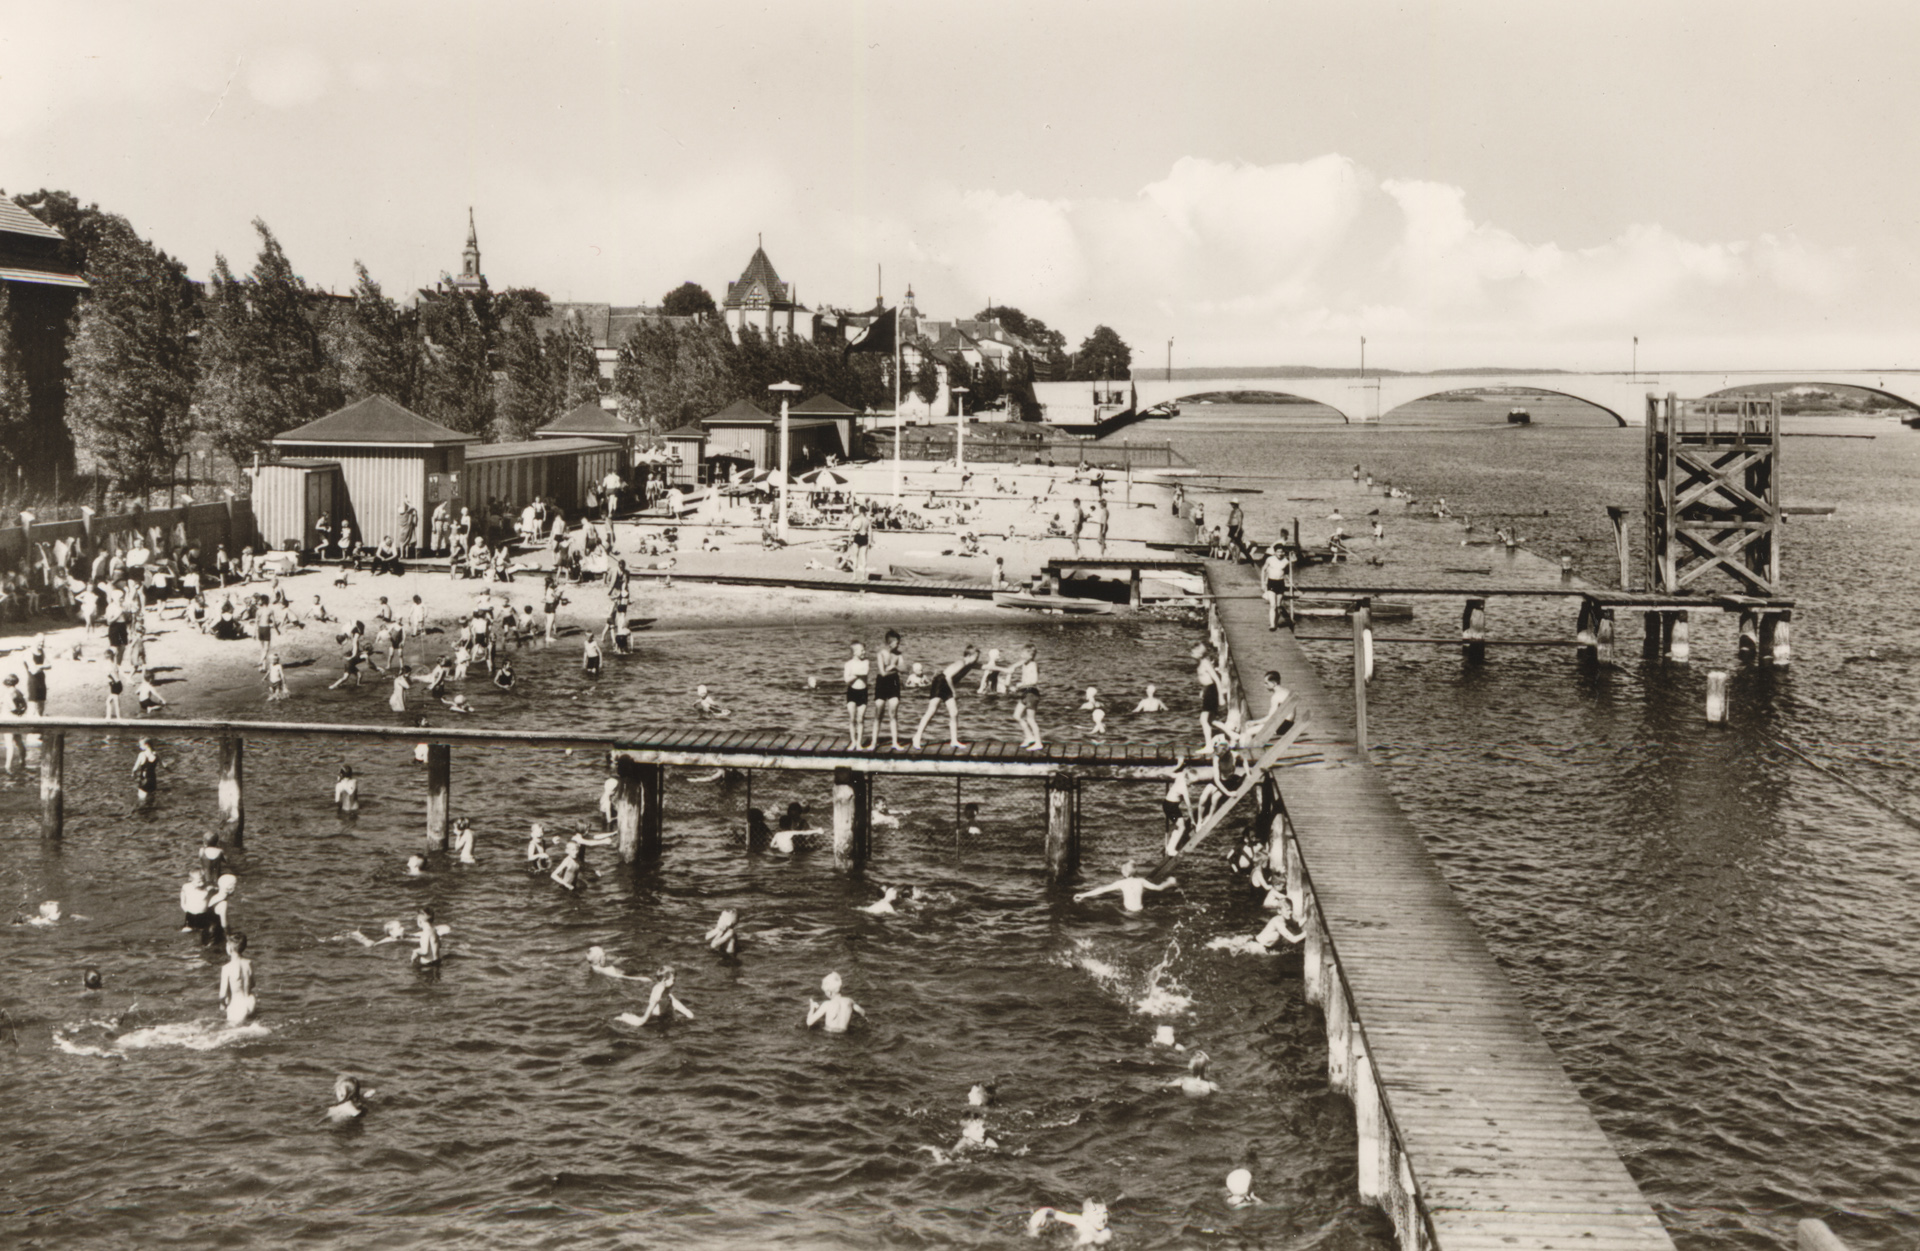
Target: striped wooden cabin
[557,470]
[389,458]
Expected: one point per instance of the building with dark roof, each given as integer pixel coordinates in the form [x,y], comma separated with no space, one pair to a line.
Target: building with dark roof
[43,289]
[589,421]
[389,458]
[761,300]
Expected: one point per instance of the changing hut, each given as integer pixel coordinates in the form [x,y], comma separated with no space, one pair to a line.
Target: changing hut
[388,458]
[557,470]
[590,421]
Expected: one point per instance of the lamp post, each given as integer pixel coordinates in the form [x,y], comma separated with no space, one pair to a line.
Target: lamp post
[1635,375]
[1169,358]
[960,429]
[786,390]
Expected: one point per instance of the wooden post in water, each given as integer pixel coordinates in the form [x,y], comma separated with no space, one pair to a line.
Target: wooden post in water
[1679,648]
[1749,634]
[1473,629]
[1362,669]
[1618,516]
[629,803]
[1779,647]
[1717,697]
[1586,635]
[1813,1235]
[1063,832]
[653,807]
[439,783]
[233,814]
[1603,638]
[53,800]
[850,818]
[1133,588]
[1370,1125]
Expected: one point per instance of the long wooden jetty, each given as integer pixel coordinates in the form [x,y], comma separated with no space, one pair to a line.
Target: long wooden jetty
[1471,1135]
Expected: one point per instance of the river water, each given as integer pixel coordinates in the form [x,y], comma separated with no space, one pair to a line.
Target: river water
[1717,940]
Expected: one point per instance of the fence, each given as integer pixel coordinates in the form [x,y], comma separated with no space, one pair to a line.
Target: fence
[206,525]
[1120,456]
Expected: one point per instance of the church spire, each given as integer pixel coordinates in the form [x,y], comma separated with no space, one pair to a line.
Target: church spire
[470,258]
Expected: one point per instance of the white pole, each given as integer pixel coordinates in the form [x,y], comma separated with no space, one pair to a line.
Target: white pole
[786,390]
[960,428]
[896,411]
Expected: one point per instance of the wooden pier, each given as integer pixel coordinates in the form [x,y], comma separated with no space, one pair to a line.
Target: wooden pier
[1471,1135]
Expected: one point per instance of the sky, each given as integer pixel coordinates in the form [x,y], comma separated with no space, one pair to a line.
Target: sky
[1463,184]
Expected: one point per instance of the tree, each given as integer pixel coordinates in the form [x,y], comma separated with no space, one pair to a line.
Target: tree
[1047,343]
[266,369]
[959,374]
[527,396]
[574,365]
[1103,355]
[688,300]
[670,374]
[1020,394]
[376,346]
[926,379]
[132,364]
[458,384]
[16,412]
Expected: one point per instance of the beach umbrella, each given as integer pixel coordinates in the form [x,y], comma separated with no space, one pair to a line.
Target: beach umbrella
[824,478]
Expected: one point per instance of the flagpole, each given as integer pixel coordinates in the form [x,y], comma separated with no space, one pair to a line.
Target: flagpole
[896,410]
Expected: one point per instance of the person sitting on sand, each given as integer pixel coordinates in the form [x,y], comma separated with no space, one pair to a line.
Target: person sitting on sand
[1089,1223]
[1150,702]
[236,981]
[1193,1083]
[597,963]
[347,1099]
[835,1013]
[661,1004]
[1131,887]
[724,937]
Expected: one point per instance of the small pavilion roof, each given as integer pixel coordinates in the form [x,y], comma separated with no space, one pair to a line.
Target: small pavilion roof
[741,411]
[822,406]
[375,419]
[589,419]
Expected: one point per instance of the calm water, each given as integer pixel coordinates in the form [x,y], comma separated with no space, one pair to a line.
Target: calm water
[512,1111]
[1717,940]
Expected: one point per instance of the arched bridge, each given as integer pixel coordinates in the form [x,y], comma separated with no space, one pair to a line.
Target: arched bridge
[1365,398]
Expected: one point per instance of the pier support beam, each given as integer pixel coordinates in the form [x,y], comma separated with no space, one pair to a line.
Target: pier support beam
[1063,828]
[636,809]
[1370,1126]
[1749,634]
[1586,633]
[233,815]
[439,784]
[53,797]
[1603,638]
[1717,697]
[1776,638]
[1473,629]
[1362,669]
[1679,647]
[852,818]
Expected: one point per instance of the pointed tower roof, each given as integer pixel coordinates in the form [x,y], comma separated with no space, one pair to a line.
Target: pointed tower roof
[758,283]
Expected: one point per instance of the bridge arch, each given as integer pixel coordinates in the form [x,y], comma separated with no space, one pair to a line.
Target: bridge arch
[1618,419]
[1188,403]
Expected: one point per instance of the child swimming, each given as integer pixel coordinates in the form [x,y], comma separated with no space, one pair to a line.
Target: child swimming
[835,1013]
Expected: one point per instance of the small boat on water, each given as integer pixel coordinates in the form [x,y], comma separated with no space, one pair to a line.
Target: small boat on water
[1051,603]
[1518,416]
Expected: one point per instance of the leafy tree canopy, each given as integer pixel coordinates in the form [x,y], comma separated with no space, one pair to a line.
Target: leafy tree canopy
[688,300]
[1103,354]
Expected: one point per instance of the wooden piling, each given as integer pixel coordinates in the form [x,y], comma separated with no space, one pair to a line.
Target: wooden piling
[1473,629]
[1655,636]
[1717,697]
[1603,638]
[1813,1235]
[53,800]
[653,807]
[233,814]
[1133,589]
[1063,831]
[1618,516]
[439,782]
[1780,649]
[851,817]
[1370,1126]
[629,803]
[1362,669]
[1749,634]
[1679,648]
[1586,635]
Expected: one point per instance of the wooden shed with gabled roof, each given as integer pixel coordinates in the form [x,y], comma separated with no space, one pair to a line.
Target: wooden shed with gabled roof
[590,421]
[389,459]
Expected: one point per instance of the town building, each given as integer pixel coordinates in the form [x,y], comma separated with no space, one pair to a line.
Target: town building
[760,300]
[43,288]
[469,281]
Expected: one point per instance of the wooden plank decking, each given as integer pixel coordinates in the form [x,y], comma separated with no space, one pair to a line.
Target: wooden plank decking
[1503,1150]
[828,580]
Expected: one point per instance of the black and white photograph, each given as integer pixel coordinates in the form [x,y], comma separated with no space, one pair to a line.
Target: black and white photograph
[886,625]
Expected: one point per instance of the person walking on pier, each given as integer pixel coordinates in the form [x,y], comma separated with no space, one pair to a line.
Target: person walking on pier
[1237,531]
[1274,573]
[1209,679]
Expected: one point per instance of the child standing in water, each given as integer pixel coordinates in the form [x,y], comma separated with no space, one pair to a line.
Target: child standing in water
[662,1003]
[346,791]
[276,679]
[236,981]
[835,1013]
[427,954]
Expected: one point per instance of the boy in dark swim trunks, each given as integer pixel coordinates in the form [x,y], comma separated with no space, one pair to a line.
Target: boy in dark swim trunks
[942,692]
[886,690]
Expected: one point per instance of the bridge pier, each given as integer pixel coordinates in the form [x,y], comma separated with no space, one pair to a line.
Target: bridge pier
[1473,629]
[852,818]
[439,784]
[1063,828]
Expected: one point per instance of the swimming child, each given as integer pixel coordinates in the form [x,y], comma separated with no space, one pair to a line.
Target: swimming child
[1240,1189]
[706,705]
[1150,702]
[835,1013]
[590,657]
[416,866]
[146,771]
[537,857]
[427,954]
[883,906]
[1131,888]
[1193,1083]
[395,931]
[346,791]
[1098,708]
[347,1099]
[724,937]
[463,839]
[661,1004]
[1089,1223]
[236,981]
[917,679]
[597,963]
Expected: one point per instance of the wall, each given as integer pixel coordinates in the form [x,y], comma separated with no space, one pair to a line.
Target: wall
[206,524]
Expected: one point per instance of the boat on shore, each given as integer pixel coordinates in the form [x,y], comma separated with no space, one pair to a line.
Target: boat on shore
[1051,603]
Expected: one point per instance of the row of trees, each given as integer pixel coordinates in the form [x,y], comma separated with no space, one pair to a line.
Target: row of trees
[158,365]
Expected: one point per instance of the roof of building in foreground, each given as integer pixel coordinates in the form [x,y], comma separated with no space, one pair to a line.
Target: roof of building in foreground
[375,419]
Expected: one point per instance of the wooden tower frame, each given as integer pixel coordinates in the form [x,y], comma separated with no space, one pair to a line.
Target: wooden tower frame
[1713,483]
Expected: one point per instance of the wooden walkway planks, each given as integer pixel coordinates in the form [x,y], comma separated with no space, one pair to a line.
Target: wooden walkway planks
[823,580]
[1503,1150]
